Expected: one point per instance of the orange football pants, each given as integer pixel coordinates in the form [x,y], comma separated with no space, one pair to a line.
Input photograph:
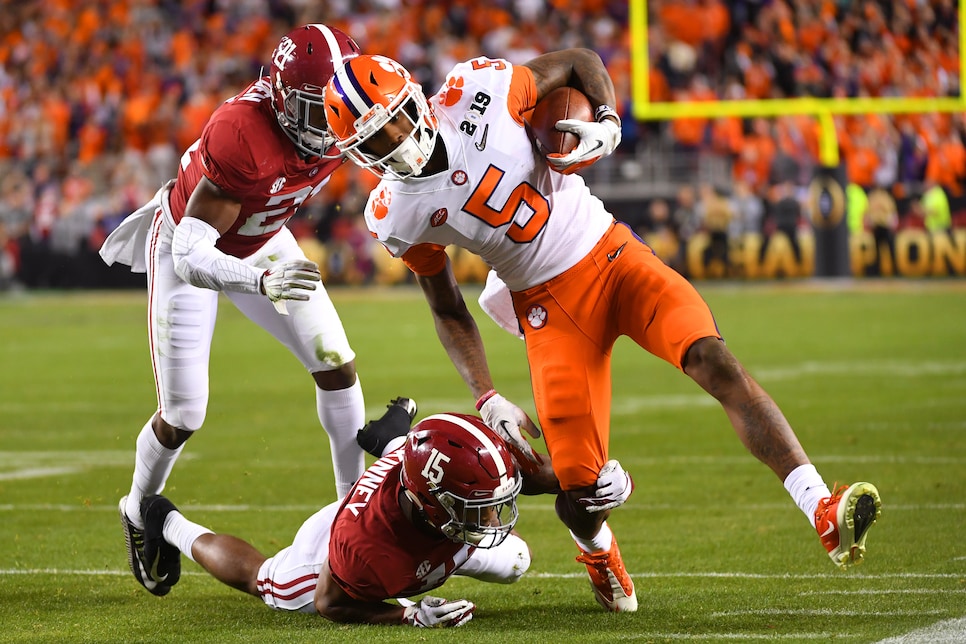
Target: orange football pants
[571,323]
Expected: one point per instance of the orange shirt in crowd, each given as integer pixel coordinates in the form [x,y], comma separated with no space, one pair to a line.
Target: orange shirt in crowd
[137,118]
[947,165]
[860,165]
[754,163]
[757,80]
[194,115]
[727,135]
[183,49]
[716,19]
[691,131]
[681,21]
[91,142]
[658,88]
[56,114]
[811,33]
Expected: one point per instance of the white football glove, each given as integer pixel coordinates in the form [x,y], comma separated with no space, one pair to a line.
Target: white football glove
[436,612]
[597,140]
[614,487]
[291,280]
[506,419]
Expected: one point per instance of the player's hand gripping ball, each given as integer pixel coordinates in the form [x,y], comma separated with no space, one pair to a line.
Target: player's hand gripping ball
[560,104]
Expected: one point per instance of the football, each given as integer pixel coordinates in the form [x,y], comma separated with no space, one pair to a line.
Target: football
[561,103]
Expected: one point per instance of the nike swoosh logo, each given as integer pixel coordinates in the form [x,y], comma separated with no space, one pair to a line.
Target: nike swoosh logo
[482,142]
[154,571]
[830,530]
[612,256]
[600,144]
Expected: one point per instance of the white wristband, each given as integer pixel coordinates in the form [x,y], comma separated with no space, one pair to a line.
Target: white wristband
[604,111]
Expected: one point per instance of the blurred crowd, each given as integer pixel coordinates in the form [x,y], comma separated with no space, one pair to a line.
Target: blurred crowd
[99,99]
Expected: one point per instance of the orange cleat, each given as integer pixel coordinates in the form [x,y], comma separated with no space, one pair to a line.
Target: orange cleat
[843,521]
[612,586]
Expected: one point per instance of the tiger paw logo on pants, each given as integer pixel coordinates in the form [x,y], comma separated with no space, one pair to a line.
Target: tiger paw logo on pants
[537,316]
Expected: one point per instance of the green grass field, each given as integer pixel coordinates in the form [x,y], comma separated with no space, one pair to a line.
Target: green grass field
[871,374]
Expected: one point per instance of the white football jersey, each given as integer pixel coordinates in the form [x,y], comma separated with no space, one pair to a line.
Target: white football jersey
[499,199]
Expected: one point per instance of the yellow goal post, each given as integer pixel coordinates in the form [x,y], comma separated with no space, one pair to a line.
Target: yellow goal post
[821,108]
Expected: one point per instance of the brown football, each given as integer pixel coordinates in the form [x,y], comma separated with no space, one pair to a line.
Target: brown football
[561,103]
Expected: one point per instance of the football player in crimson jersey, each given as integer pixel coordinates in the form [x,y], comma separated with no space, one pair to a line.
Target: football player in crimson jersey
[440,503]
[220,227]
[461,169]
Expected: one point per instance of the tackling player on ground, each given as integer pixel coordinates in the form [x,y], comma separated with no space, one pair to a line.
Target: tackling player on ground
[440,501]
[460,169]
[220,227]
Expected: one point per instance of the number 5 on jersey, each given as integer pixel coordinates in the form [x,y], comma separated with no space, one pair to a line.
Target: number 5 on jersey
[523,195]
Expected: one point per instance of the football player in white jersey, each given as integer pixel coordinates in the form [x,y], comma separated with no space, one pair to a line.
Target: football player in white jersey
[220,227]
[461,169]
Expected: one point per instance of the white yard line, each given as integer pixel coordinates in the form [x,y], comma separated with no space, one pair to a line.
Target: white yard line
[898,591]
[795,637]
[824,612]
[948,631]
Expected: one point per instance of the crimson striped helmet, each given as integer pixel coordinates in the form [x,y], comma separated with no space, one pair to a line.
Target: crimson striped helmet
[302,63]
[462,478]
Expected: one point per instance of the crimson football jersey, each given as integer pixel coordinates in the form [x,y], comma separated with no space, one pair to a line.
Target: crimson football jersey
[244,151]
[376,553]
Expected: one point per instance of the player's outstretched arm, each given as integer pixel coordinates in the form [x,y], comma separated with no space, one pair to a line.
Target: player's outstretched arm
[334,604]
[209,213]
[457,329]
[537,474]
[461,339]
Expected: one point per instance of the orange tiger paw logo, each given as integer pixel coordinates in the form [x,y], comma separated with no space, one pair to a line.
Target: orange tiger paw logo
[380,205]
[454,91]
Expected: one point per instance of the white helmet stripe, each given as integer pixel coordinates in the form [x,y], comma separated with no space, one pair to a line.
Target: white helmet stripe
[335,52]
[347,86]
[480,436]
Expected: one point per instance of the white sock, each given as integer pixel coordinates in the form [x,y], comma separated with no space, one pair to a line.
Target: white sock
[180,532]
[152,465]
[599,543]
[342,414]
[807,488]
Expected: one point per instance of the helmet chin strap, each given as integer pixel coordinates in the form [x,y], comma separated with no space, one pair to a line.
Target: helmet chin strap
[315,141]
[449,530]
[408,158]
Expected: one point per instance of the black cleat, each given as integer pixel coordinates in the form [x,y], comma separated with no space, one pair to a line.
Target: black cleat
[406,403]
[134,541]
[397,420]
[161,559]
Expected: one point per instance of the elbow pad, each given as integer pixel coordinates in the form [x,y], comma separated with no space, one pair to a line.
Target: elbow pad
[504,564]
[199,263]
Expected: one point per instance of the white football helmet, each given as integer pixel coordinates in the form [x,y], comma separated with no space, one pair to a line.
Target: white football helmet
[363,96]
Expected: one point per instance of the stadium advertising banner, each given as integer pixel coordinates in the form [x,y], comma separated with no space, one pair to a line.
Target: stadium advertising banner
[918,253]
